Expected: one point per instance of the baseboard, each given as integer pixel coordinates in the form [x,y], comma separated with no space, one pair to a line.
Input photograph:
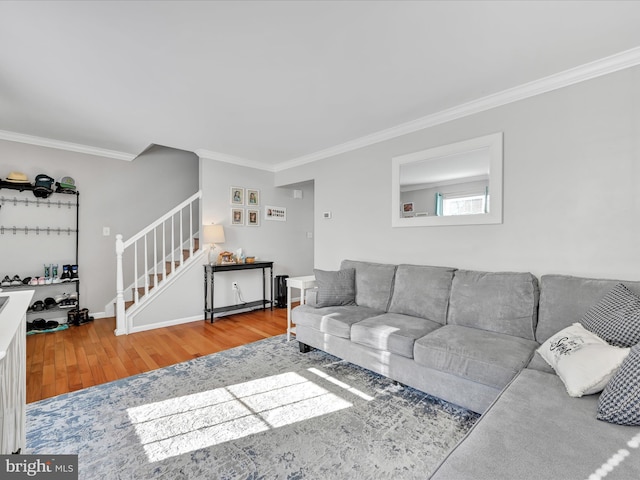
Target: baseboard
[168,323]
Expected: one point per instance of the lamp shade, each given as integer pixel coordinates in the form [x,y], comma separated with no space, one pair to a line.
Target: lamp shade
[214,234]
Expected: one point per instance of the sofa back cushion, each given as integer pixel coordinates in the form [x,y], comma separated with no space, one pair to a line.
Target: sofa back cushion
[501,302]
[422,291]
[374,283]
[564,300]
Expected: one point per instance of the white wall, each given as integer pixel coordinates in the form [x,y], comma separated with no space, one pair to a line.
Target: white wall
[125,196]
[571,189]
[285,243]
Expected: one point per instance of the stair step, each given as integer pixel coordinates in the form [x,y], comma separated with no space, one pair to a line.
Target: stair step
[161,276]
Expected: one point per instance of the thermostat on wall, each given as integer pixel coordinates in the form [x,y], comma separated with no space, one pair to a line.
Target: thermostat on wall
[326,215]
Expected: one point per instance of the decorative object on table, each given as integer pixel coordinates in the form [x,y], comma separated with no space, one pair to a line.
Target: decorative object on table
[275,213]
[214,234]
[237,216]
[226,258]
[250,259]
[239,256]
[253,217]
[237,196]
[253,198]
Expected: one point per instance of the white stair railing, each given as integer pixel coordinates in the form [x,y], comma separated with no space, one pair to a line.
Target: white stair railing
[174,237]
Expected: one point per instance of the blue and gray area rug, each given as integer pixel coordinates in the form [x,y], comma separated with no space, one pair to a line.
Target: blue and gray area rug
[260,411]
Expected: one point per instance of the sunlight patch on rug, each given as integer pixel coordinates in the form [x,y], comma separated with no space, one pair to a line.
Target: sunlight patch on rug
[180,425]
[261,411]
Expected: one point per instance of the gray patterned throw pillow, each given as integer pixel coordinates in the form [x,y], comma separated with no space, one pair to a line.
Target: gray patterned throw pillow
[335,288]
[615,318]
[620,401]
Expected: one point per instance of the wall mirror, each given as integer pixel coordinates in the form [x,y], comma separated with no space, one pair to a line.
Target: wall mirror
[455,184]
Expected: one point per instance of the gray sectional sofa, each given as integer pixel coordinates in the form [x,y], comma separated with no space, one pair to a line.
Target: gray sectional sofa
[470,338]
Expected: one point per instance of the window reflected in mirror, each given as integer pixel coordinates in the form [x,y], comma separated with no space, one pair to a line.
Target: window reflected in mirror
[454,184]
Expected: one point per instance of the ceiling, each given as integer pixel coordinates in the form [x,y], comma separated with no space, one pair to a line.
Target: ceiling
[272,83]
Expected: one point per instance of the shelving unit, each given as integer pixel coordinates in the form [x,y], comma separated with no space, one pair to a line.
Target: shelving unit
[33,242]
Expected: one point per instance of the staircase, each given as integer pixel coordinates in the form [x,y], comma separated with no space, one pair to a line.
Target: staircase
[155,257]
[155,279]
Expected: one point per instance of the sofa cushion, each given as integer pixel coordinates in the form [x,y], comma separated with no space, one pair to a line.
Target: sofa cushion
[485,357]
[392,331]
[565,299]
[374,283]
[332,320]
[535,431]
[620,401]
[422,292]
[615,318]
[584,362]
[335,288]
[501,302]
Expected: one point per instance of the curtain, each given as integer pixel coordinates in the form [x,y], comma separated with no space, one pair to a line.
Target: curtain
[438,204]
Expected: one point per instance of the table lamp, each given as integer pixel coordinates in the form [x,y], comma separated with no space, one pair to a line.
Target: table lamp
[213,234]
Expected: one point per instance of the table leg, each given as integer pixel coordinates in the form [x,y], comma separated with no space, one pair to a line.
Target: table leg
[288,313]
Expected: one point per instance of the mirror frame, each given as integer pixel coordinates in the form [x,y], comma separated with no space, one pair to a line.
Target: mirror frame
[493,142]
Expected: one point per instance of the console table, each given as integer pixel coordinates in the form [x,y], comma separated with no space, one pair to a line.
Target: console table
[209,285]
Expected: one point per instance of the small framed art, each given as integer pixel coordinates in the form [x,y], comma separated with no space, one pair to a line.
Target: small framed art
[237,196]
[253,217]
[237,216]
[253,198]
[278,214]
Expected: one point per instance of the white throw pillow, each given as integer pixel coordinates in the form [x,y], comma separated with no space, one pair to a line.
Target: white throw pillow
[583,361]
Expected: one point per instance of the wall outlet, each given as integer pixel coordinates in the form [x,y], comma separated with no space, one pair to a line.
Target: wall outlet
[234,285]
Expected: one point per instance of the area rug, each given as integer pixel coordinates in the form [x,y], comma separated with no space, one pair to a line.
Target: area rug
[260,411]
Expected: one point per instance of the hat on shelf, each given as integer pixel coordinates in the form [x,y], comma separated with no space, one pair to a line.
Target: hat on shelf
[66,185]
[17,177]
[43,186]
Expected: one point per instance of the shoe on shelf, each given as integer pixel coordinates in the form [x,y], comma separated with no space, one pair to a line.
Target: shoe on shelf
[66,273]
[59,298]
[41,281]
[37,306]
[26,280]
[34,281]
[74,273]
[49,302]
[6,281]
[16,280]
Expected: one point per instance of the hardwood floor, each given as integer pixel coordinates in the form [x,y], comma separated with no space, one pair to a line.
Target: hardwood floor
[80,357]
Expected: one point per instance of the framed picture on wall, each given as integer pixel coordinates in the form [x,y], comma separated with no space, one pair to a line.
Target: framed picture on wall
[253,198]
[278,214]
[237,196]
[237,216]
[253,217]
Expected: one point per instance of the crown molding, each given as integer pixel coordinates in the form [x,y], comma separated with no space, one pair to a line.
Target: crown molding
[598,68]
[588,71]
[242,162]
[60,145]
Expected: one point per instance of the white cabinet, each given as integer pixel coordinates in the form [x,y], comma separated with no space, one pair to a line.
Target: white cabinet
[13,379]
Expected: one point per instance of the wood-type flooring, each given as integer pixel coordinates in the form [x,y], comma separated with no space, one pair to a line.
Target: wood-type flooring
[90,354]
